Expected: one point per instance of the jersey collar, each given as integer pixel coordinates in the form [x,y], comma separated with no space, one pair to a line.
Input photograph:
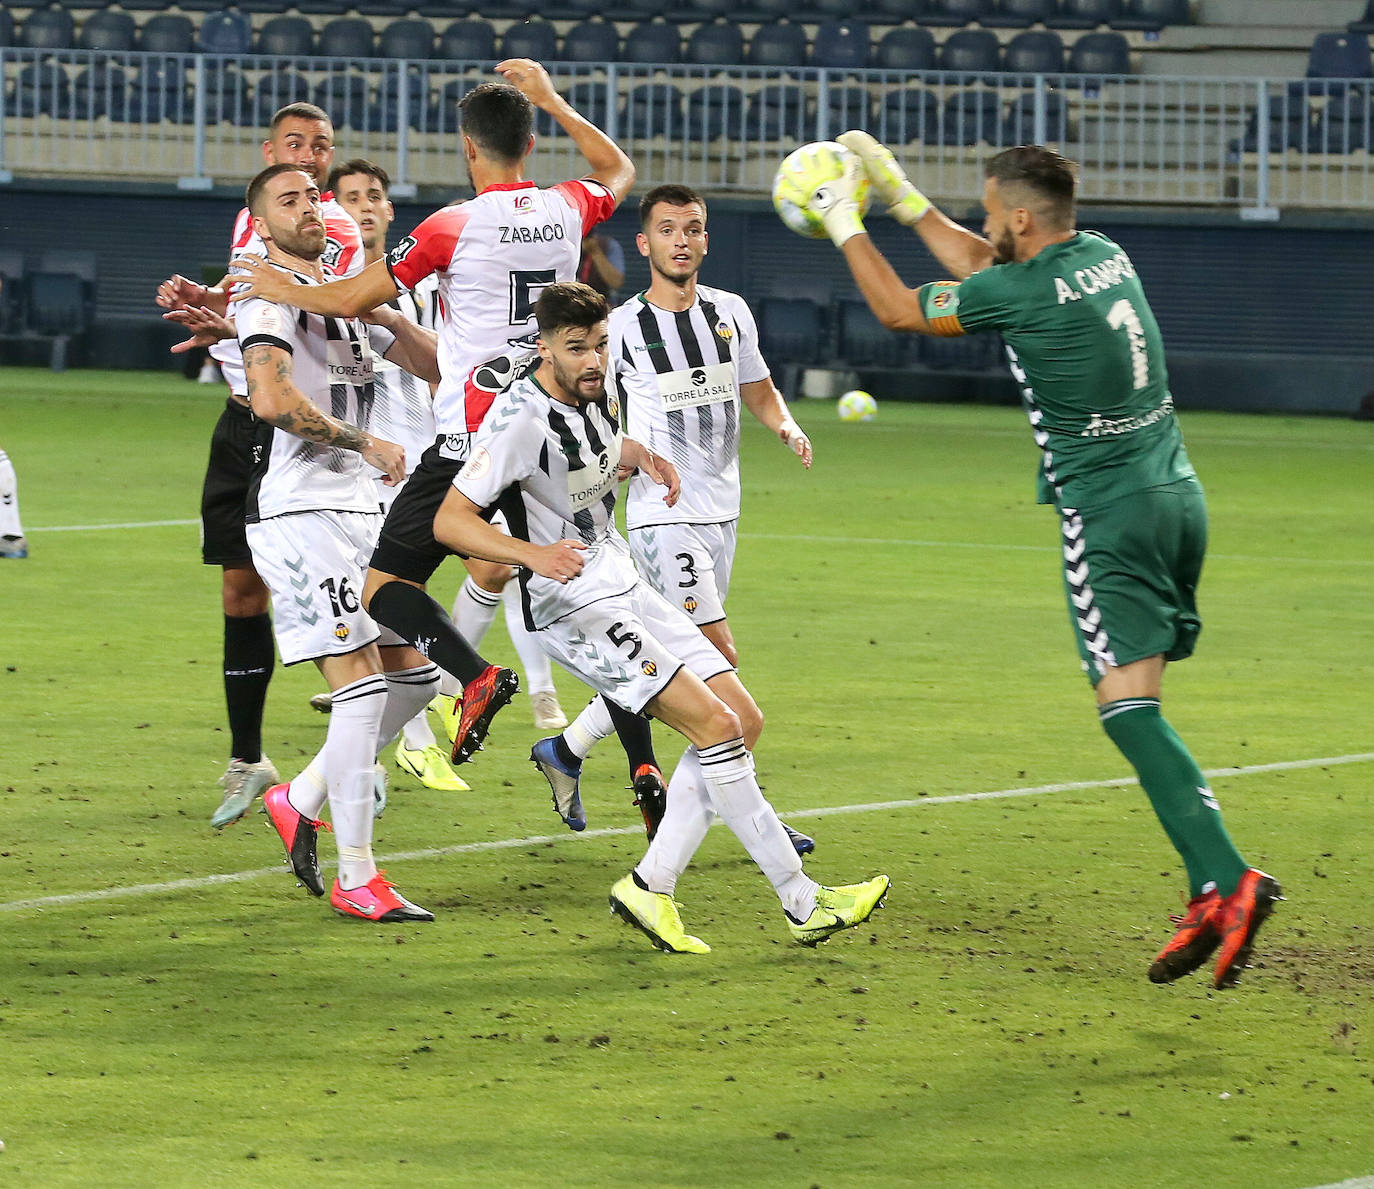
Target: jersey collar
[526,185]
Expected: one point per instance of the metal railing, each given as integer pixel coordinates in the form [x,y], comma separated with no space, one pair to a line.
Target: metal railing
[1247,144]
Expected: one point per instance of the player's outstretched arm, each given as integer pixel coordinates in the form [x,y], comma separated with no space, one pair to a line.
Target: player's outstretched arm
[207,327]
[609,164]
[459,525]
[762,398]
[958,249]
[637,457]
[276,399]
[350,297]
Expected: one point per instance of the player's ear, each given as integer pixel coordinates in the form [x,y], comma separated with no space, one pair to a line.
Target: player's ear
[642,243]
[529,147]
[268,156]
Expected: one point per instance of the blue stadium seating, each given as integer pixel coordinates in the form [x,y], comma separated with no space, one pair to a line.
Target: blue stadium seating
[905,48]
[158,93]
[636,10]
[47,29]
[11,281]
[841,45]
[1037,51]
[468,40]
[791,328]
[652,109]
[706,10]
[6,27]
[99,90]
[653,42]
[954,13]
[42,88]
[848,106]
[531,39]
[588,97]
[411,39]
[896,11]
[716,110]
[108,30]
[972,53]
[286,37]
[1365,24]
[1018,14]
[226,33]
[1290,127]
[764,10]
[967,353]
[971,117]
[778,111]
[344,96]
[717,44]
[912,114]
[1151,15]
[1335,56]
[1082,14]
[1019,126]
[167,33]
[591,41]
[386,112]
[778,44]
[863,341]
[59,303]
[229,99]
[1346,123]
[346,37]
[280,87]
[1100,53]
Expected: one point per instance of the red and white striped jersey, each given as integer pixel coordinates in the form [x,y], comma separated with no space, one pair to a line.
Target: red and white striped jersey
[343,256]
[494,255]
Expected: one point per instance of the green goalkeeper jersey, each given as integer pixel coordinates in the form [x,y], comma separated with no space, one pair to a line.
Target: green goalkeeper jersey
[1086,352]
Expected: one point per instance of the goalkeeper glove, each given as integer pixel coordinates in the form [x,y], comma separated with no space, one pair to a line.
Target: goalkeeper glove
[905,203]
[836,200]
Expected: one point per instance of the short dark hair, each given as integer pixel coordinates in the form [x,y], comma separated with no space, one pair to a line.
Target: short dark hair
[499,119]
[673,194]
[569,303]
[253,194]
[359,165]
[1046,178]
[299,111]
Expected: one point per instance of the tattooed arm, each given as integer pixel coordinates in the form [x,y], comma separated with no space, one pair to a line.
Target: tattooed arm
[276,400]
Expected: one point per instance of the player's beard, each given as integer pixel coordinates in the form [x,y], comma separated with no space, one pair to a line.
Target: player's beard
[670,270]
[304,244]
[569,380]
[1004,247]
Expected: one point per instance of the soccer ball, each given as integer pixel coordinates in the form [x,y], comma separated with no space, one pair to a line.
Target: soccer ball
[856,406]
[806,168]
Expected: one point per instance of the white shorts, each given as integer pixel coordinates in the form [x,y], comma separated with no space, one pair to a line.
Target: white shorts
[629,646]
[688,564]
[314,564]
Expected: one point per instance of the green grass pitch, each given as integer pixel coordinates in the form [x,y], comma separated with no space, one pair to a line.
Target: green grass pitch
[901,623]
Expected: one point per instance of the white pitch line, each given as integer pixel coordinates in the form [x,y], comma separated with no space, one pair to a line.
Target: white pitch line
[1357,1183]
[96,528]
[468,848]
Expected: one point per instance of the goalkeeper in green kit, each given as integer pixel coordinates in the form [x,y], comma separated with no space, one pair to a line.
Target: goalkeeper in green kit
[1087,355]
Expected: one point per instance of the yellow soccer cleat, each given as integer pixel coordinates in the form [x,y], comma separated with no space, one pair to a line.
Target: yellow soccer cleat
[450,710]
[429,765]
[840,908]
[656,915]
[905,203]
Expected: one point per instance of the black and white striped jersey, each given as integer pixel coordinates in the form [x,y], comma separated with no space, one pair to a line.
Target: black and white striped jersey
[550,468]
[678,374]
[402,404]
[331,363]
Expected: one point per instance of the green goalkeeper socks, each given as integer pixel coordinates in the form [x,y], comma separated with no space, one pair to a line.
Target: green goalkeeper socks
[1177,790]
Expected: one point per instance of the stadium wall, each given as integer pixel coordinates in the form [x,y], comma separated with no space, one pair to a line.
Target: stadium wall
[1255,317]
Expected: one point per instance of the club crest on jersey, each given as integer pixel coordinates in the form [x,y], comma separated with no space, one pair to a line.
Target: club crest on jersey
[333,253]
[341,630]
[648,668]
[689,604]
[612,407]
[725,330]
[946,299]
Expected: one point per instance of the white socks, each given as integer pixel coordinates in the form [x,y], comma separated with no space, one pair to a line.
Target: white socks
[350,753]
[408,692]
[589,728]
[9,499]
[685,821]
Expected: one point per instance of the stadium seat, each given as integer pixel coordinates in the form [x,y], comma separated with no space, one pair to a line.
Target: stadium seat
[778,44]
[445,112]
[841,45]
[1335,56]
[346,37]
[863,341]
[791,330]
[228,98]
[108,30]
[778,111]
[905,48]
[1018,14]
[1100,53]
[58,304]
[99,90]
[344,96]
[716,110]
[707,10]
[591,100]
[167,33]
[1290,127]
[1365,24]
[468,40]
[6,27]
[912,114]
[847,105]
[971,117]
[11,289]
[41,89]
[1019,126]
[1037,51]
[718,44]
[954,13]
[893,12]
[966,353]
[972,53]
[591,41]
[653,42]
[1344,125]
[1151,15]
[1082,14]
[158,93]
[635,10]
[286,37]
[47,29]
[279,88]
[411,40]
[225,33]
[652,109]
[530,39]
[764,11]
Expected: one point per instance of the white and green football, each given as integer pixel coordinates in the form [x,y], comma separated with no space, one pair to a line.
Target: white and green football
[805,169]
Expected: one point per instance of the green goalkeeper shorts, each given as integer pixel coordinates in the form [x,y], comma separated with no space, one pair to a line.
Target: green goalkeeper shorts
[1131,571]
